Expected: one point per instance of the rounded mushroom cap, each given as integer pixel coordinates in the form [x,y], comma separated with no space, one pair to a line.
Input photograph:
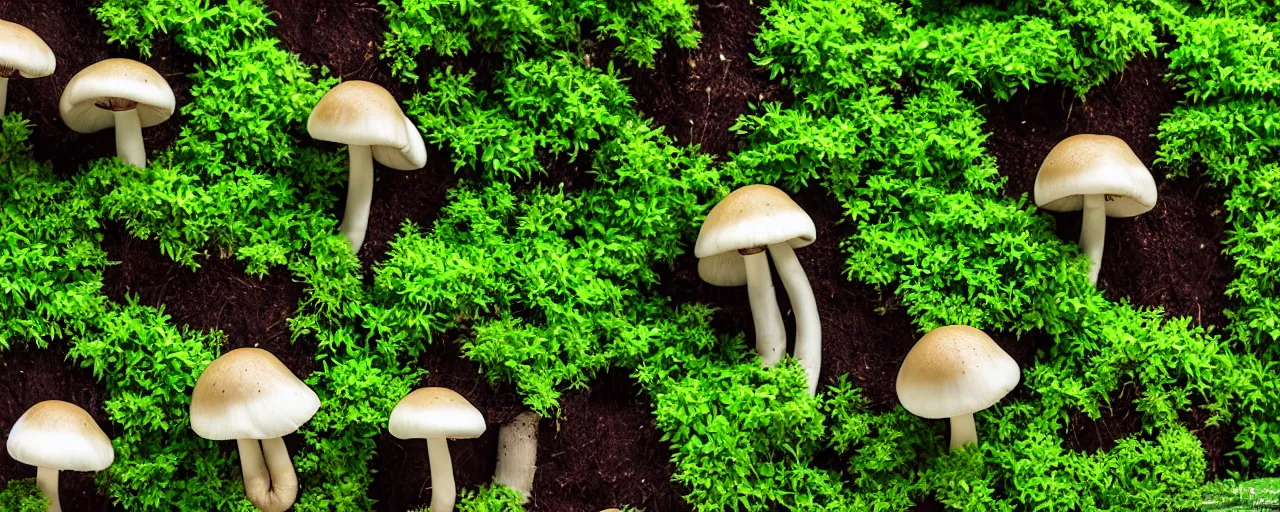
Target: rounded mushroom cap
[955,370]
[724,269]
[1083,165]
[59,435]
[752,216]
[249,394]
[436,413]
[23,51]
[115,79]
[359,113]
[411,157]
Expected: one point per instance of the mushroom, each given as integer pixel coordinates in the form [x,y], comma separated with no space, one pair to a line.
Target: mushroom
[366,118]
[58,436]
[437,415]
[730,252]
[23,53]
[953,372]
[250,396]
[121,93]
[1100,175]
[518,453]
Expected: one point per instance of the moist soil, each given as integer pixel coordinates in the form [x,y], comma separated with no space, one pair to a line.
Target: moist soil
[603,450]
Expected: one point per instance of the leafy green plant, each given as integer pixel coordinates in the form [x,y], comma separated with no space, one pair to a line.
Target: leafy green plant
[23,496]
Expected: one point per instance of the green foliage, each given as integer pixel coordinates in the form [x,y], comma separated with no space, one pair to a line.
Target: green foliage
[1258,494]
[490,498]
[516,28]
[23,496]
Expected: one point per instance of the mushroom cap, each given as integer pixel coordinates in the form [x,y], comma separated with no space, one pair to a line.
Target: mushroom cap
[411,157]
[1083,165]
[249,394]
[24,51]
[436,413]
[59,435]
[359,113]
[751,216]
[955,370]
[115,78]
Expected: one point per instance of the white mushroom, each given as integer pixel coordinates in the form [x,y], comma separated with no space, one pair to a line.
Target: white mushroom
[731,248]
[120,93]
[1100,175]
[437,415]
[23,53]
[250,396]
[953,372]
[58,436]
[366,118]
[518,453]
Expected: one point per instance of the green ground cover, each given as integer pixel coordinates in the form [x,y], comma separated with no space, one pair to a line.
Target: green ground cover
[558,286]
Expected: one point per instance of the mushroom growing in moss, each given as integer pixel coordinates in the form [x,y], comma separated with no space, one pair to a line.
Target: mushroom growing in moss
[730,252]
[953,372]
[366,118]
[437,415]
[58,436]
[518,453]
[24,54]
[1099,175]
[250,396]
[120,93]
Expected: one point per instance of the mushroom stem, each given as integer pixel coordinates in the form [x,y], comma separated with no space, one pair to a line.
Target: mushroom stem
[47,481]
[1093,232]
[808,326]
[771,335]
[443,492]
[359,195]
[269,481]
[129,145]
[963,431]
[518,453]
[4,93]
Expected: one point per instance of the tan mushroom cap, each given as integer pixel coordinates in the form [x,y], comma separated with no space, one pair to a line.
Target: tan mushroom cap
[115,79]
[359,113]
[955,370]
[59,435]
[23,51]
[249,394]
[1083,165]
[751,216]
[436,413]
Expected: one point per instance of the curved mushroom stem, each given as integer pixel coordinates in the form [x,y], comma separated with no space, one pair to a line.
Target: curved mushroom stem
[443,492]
[47,481]
[269,481]
[771,335]
[130,148]
[518,453]
[963,431]
[808,326]
[4,93]
[1093,232]
[359,195]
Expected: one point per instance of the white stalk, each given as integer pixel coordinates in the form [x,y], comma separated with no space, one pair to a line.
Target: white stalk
[1093,232]
[518,453]
[443,491]
[130,148]
[771,335]
[808,325]
[269,481]
[359,196]
[963,431]
[47,481]
[4,94]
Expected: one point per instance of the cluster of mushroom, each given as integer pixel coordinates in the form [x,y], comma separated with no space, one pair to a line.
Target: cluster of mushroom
[128,95]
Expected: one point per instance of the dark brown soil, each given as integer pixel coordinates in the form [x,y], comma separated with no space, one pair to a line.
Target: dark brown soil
[696,95]
[1119,419]
[77,40]
[251,312]
[29,376]
[1170,257]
